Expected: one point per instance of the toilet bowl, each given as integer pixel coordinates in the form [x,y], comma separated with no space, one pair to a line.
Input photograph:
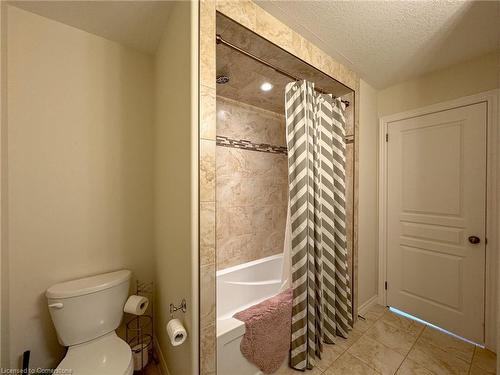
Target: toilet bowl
[107,355]
[86,312]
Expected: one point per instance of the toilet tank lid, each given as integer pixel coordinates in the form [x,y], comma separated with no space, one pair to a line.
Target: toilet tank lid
[87,285]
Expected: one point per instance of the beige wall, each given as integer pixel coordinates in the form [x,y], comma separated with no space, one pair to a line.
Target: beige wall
[175,186]
[368,206]
[79,169]
[467,78]
[252,187]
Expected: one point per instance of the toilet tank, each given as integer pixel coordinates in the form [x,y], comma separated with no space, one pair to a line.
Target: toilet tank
[87,308]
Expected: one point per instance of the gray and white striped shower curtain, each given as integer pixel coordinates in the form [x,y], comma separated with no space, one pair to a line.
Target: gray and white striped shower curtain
[322,308]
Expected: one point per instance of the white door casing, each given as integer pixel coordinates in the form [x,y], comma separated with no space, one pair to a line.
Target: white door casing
[436,180]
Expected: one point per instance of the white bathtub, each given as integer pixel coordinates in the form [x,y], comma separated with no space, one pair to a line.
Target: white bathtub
[238,288]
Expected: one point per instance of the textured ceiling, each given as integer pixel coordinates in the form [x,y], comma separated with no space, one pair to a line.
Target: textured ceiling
[387,42]
[136,24]
[246,75]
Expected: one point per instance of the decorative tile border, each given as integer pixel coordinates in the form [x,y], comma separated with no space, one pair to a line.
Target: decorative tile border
[243,144]
[250,146]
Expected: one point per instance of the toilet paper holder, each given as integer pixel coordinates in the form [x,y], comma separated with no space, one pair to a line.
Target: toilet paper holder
[182,307]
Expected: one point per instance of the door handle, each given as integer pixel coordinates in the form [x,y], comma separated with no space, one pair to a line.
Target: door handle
[474,240]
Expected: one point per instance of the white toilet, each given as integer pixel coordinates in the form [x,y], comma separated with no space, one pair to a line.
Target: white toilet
[85,313]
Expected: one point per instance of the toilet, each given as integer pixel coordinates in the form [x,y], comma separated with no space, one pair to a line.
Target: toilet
[86,312]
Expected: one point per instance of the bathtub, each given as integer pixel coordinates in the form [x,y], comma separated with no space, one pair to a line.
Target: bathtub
[238,288]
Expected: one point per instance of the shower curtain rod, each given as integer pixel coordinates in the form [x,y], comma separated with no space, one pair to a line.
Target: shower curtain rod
[220,40]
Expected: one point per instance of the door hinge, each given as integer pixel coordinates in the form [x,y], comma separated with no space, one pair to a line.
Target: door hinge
[385,285]
[387,137]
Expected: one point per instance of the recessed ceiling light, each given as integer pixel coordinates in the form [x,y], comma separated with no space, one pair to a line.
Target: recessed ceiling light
[266,86]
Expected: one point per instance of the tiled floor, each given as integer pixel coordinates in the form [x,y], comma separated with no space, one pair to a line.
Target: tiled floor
[386,343]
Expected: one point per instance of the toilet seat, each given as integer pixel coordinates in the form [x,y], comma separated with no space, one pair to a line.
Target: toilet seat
[106,355]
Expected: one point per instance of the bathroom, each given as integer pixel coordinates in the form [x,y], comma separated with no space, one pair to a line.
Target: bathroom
[155,137]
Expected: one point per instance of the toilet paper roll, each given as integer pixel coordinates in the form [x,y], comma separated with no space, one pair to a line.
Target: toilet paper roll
[136,305]
[176,332]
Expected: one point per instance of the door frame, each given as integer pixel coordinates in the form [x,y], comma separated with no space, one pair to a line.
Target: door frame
[492,210]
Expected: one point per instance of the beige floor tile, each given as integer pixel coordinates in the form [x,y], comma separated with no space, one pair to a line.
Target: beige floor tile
[378,310]
[345,344]
[474,370]
[369,320]
[437,360]
[314,371]
[329,355]
[395,339]
[376,355]
[348,364]
[485,359]
[286,370]
[410,367]
[284,367]
[408,325]
[448,343]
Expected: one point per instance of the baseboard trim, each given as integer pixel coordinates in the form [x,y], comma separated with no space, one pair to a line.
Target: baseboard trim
[161,358]
[367,305]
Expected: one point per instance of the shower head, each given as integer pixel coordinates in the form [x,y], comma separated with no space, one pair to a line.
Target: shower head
[222,79]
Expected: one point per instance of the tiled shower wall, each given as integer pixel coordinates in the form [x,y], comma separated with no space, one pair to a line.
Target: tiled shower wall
[251,186]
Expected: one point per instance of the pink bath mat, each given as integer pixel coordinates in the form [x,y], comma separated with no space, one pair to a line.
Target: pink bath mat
[266,342]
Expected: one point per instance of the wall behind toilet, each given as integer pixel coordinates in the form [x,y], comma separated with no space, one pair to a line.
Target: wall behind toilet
[80,169]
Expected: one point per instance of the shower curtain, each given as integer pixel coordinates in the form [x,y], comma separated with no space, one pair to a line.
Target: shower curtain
[316,249]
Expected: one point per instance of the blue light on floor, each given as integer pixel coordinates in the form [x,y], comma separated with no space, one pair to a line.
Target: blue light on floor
[406,315]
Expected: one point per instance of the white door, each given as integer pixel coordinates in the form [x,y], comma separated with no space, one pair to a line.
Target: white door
[436,212]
